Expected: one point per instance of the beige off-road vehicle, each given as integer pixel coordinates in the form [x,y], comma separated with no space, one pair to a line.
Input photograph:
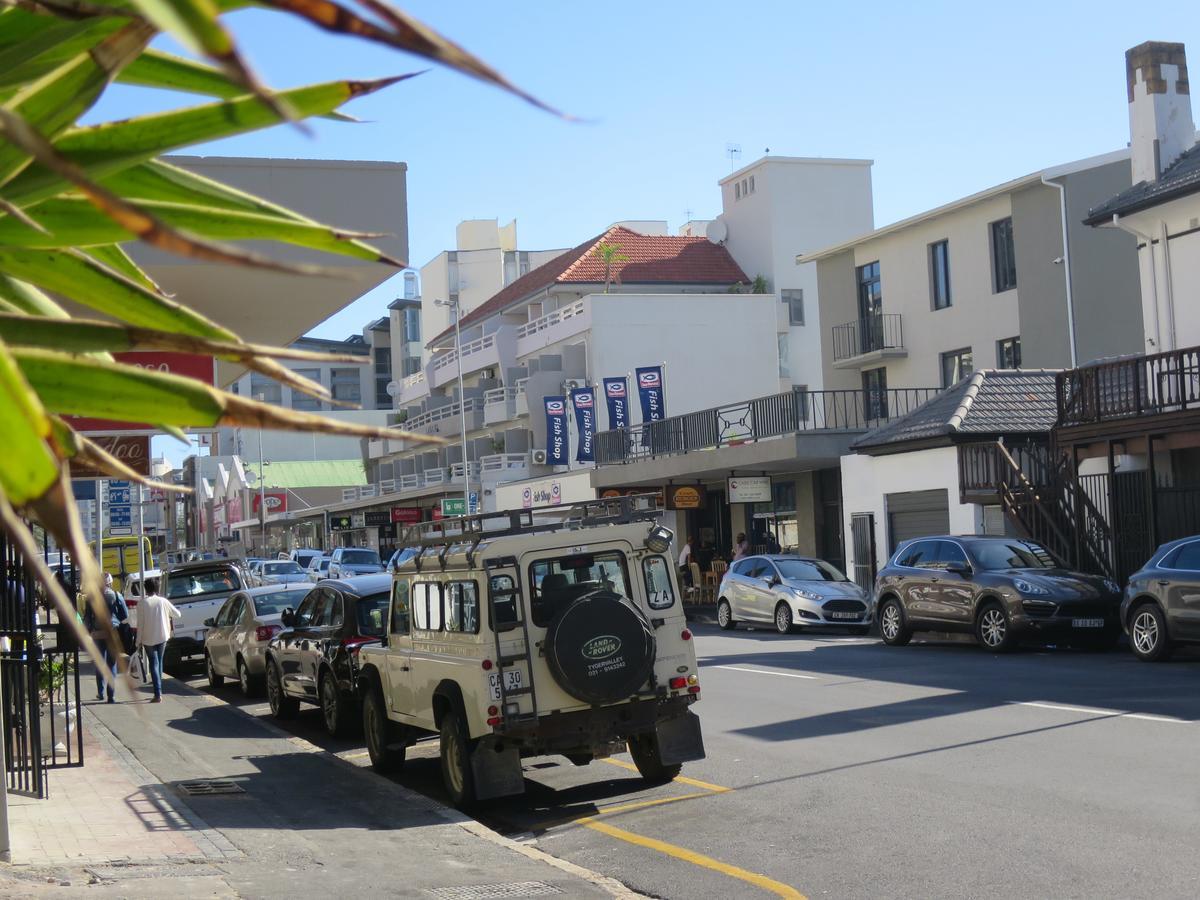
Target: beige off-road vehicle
[543,631]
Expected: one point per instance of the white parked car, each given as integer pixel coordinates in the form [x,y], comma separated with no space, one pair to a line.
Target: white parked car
[791,592]
[198,590]
[280,572]
[237,638]
[318,568]
[133,586]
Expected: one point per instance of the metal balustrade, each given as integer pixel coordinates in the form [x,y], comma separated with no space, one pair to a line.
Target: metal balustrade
[1126,388]
[550,319]
[868,334]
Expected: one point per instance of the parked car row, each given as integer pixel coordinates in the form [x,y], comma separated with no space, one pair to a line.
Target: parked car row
[1002,590]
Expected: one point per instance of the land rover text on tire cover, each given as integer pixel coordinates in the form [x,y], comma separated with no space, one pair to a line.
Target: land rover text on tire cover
[534,632]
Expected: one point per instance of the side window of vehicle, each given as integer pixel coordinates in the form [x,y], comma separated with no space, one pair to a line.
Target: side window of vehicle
[920,555]
[504,601]
[427,606]
[462,607]
[659,594]
[335,615]
[741,567]
[949,552]
[400,617]
[222,617]
[235,611]
[757,567]
[308,609]
[1187,557]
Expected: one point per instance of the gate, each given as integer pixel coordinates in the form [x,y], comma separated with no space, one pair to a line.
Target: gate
[39,680]
[862,527]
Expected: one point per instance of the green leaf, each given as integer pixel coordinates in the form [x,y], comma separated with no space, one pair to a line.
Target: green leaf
[159,180]
[110,147]
[115,257]
[192,22]
[23,297]
[43,44]
[157,69]
[28,469]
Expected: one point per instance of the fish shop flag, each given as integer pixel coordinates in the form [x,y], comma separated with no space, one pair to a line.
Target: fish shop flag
[616,392]
[650,388]
[584,401]
[556,431]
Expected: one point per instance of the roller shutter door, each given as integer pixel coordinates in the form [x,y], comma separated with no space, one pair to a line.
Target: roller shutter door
[915,514]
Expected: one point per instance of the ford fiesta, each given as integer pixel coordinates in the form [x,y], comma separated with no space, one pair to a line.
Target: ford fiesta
[999,589]
[793,592]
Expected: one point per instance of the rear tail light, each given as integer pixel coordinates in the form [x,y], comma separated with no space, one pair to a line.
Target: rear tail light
[677,683]
[493,710]
[494,720]
[266,632]
[694,689]
[131,602]
[685,635]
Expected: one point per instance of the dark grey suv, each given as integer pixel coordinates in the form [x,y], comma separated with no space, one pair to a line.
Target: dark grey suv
[999,589]
[1162,601]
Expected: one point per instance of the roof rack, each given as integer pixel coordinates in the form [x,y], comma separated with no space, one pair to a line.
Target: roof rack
[570,516]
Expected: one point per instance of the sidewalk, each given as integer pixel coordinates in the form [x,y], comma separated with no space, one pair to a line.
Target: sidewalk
[282,818]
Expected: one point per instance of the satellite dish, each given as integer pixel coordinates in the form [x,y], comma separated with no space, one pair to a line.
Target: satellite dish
[393,388]
[716,232]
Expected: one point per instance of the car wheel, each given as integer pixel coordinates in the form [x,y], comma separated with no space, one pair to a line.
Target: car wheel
[644,750]
[1148,634]
[379,732]
[993,629]
[333,707]
[783,618]
[456,761]
[246,682]
[282,706]
[892,627]
[214,680]
[725,616]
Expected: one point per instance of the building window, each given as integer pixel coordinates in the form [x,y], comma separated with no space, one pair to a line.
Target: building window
[785,369]
[752,184]
[303,401]
[1004,258]
[939,274]
[800,393]
[265,389]
[874,383]
[956,365]
[870,308]
[345,385]
[412,365]
[737,190]
[412,324]
[1008,353]
[795,304]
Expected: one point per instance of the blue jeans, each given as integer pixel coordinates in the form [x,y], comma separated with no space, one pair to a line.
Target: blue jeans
[110,660]
[154,658]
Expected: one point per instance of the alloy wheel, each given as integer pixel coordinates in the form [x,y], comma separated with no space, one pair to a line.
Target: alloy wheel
[329,704]
[783,619]
[243,677]
[1145,632]
[993,627]
[889,622]
[723,614]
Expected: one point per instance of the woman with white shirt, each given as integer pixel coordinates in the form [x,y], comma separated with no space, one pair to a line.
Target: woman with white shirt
[154,615]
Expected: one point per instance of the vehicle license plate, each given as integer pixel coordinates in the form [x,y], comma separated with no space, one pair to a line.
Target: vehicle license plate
[1087,623]
[512,681]
[845,615]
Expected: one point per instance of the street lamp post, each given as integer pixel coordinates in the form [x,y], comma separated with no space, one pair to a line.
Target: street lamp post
[262,487]
[452,305]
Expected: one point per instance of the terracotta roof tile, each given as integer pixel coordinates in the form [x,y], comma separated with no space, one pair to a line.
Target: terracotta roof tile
[651,259]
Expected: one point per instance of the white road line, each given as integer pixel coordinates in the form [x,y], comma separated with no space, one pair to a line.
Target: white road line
[764,672]
[1114,713]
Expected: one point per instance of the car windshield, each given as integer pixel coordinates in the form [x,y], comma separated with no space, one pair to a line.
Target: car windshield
[282,568]
[993,556]
[808,570]
[201,581]
[360,558]
[274,603]
[372,613]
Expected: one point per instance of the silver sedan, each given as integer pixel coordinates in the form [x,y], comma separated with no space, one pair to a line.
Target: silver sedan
[236,642]
[791,592]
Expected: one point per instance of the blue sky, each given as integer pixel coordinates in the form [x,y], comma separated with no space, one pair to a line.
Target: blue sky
[944,99]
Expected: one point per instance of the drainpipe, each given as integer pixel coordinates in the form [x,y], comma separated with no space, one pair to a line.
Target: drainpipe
[1117,223]
[1165,246]
[1062,204]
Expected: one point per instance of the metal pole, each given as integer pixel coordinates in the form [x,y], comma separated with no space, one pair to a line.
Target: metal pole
[462,409]
[141,542]
[5,841]
[100,523]
[262,489]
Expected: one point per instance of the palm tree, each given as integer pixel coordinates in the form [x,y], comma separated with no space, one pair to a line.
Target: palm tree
[609,254]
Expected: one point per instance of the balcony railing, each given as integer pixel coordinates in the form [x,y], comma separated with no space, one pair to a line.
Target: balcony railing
[551,319]
[476,346]
[791,412]
[867,335]
[450,410]
[1127,388]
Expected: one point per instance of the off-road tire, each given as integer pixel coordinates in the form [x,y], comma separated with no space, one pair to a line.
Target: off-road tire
[214,680]
[380,732]
[725,616]
[644,750]
[455,748]
[282,706]
[993,629]
[1148,637]
[893,625]
[600,648]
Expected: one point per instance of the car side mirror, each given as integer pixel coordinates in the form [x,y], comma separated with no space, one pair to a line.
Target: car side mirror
[210,622]
[770,580]
[958,567]
[288,617]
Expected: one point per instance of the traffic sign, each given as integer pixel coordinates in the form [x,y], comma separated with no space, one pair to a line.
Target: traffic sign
[118,496]
[120,516]
[474,504]
[454,506]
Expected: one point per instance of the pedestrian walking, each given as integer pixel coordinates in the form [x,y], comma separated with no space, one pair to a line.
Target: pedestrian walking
[685,558]
[154,615]
[741,548]
[118,613]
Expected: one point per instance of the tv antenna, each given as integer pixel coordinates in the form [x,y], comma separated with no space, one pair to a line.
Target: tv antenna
[734,152]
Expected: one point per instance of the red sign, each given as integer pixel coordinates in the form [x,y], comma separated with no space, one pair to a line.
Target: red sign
[437,514]
[192,365]
[406,515]
[276,502]
[133,450]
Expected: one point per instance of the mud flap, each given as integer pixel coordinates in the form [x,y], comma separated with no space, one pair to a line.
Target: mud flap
[679,739]
[497,769]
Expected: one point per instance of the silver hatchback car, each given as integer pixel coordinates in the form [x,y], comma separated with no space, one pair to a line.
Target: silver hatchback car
[791,592]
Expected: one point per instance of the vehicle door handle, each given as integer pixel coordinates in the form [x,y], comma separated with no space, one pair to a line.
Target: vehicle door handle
[1164,582]
[404,668]
[935,580]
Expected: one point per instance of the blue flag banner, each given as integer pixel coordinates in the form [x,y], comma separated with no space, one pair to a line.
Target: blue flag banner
[650,388]
[616,392]
[557,450]
[584,401]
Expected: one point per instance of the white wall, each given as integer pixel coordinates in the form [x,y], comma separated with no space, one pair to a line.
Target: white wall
[1182,261]
[570,487]
[866,479]
[290,446]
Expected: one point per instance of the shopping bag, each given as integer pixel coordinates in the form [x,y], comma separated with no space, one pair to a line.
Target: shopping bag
[137,666]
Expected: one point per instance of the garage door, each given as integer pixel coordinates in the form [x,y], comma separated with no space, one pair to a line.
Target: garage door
[915,514]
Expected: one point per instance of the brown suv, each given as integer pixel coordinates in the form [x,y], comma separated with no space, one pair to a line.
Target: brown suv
[999,589]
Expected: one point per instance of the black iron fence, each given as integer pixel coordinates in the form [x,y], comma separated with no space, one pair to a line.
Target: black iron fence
[1126,388]
[790,412]
[882,332]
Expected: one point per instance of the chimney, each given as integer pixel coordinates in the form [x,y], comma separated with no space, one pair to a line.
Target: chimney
[1160,108]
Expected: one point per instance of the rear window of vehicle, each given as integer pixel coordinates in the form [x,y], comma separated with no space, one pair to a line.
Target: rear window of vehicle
[372,612]
[808,570]
[199,582]
[360,558]
[556,582]
[659,594]
[282,568]
[274,603]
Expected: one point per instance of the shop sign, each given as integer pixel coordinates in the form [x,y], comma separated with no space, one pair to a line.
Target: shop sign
[190,365]
[686,496]
[358,519]
[132,450]
[376,517]
[454,506]
[406,515]
[750,489]
[276,502]
[340,523]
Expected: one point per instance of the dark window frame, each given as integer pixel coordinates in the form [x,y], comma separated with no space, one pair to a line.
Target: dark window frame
[957,354]
[395,608]
[940,293]
[875,395]
[1004,255]
[647,578]
[1004,347]
[793,298]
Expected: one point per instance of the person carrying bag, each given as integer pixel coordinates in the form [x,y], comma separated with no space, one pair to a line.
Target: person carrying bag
[118,614]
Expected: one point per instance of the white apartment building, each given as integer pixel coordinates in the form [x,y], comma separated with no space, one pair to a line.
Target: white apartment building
[1161,210]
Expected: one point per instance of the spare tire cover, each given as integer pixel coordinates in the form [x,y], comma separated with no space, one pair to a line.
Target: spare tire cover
[600,648]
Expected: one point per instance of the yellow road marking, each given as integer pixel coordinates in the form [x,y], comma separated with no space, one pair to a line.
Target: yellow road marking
[697,859]
[358,755]
[682,779]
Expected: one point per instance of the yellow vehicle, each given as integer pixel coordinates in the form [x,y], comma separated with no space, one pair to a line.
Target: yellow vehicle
[120,556]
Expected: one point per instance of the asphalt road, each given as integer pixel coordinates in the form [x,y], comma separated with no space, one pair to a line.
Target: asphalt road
[840,767]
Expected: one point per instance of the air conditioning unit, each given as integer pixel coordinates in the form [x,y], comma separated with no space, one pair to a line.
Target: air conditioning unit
[539,457]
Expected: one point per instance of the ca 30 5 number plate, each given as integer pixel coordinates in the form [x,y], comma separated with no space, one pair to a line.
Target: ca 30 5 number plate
[512,681]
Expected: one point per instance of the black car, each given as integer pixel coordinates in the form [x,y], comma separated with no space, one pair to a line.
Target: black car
[999,589]
[1162,601]
[315,658]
